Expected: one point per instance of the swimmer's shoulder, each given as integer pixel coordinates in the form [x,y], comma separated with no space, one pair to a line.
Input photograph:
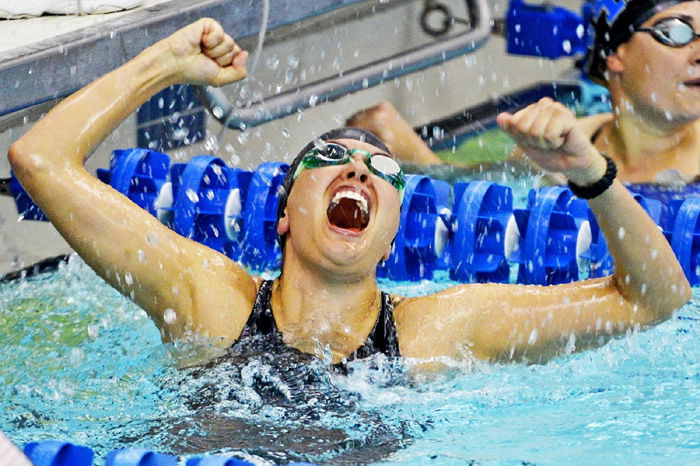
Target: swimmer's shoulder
[434,325]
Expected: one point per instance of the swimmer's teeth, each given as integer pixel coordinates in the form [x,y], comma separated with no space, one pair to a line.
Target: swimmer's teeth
[354,196]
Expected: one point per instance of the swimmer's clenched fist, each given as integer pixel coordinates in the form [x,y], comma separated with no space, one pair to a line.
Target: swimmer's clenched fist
[550,135]
[204,54]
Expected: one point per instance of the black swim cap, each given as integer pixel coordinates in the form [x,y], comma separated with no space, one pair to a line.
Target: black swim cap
[612,24]
[338,133]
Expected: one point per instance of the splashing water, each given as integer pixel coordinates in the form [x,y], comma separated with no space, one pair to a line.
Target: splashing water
[254,65]
[84,364]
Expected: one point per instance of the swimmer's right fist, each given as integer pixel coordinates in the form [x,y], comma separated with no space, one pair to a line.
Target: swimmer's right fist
[549,133]
[202,53]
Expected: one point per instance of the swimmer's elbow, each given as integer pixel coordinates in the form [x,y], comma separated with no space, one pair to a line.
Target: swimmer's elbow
[24,160]
[662,308]
[680,295]
[679,298]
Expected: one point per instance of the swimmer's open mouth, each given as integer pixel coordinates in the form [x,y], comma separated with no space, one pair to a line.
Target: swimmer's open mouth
[348,210]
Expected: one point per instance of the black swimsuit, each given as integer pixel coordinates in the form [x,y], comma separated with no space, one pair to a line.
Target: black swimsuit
[382,338]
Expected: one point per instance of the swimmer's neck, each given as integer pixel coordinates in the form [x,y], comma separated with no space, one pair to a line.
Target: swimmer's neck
[644,145]
[317,314]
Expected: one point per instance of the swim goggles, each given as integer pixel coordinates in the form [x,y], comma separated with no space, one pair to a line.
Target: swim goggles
[673,32]
[329,153]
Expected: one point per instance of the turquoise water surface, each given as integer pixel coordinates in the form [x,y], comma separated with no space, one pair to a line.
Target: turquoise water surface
[83,364]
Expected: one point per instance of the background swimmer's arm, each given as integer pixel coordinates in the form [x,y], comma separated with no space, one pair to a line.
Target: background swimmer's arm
[185,287]
[536,323]
[386,122]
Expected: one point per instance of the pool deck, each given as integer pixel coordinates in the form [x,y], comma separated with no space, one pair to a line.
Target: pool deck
[18,34]
[74,50]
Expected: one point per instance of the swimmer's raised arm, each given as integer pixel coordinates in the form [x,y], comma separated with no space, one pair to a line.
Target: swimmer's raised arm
[184,286]
[507,322]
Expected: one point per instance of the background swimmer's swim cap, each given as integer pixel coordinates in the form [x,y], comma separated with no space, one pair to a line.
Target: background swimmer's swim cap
[612,24]
[338,133]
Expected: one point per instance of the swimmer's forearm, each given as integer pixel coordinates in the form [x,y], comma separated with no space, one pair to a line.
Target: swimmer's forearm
[647,272]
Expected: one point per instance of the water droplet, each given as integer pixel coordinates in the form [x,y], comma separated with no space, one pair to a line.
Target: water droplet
[180,134]
[532,339]
[141,255]
[571,344]
[212,144]
[566,46]
[192,195]
[152,239]
[128,279]
[273,62]
[93,331]
[75,356]
[621,233]
[169,316]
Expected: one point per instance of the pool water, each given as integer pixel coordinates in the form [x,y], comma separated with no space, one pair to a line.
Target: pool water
[83,364]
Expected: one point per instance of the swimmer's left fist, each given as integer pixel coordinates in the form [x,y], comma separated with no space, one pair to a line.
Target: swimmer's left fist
[202,53]
[550,135]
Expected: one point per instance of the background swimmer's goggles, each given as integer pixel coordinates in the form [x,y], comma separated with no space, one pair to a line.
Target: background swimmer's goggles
[673,32]
[330,153]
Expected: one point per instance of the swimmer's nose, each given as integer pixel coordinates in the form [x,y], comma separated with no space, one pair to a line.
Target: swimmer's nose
[357,169]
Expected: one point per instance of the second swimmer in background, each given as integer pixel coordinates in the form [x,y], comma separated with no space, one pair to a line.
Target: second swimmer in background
[646,53]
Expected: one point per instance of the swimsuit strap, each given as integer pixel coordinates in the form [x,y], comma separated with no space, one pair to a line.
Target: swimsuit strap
[261,320]
[382,338]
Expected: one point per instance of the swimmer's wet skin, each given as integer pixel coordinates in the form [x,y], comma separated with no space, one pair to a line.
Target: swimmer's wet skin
[326,301]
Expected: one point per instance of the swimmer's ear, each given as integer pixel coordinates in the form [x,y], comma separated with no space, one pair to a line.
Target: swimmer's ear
[283,224]
[615,61]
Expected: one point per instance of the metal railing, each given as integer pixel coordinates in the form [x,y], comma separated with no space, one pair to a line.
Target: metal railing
[347,82]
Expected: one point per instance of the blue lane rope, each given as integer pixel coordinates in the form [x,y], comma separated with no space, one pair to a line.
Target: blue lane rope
[58,453]
[470,230]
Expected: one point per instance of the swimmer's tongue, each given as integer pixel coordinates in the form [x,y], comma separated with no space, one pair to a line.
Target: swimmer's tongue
[346,213]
